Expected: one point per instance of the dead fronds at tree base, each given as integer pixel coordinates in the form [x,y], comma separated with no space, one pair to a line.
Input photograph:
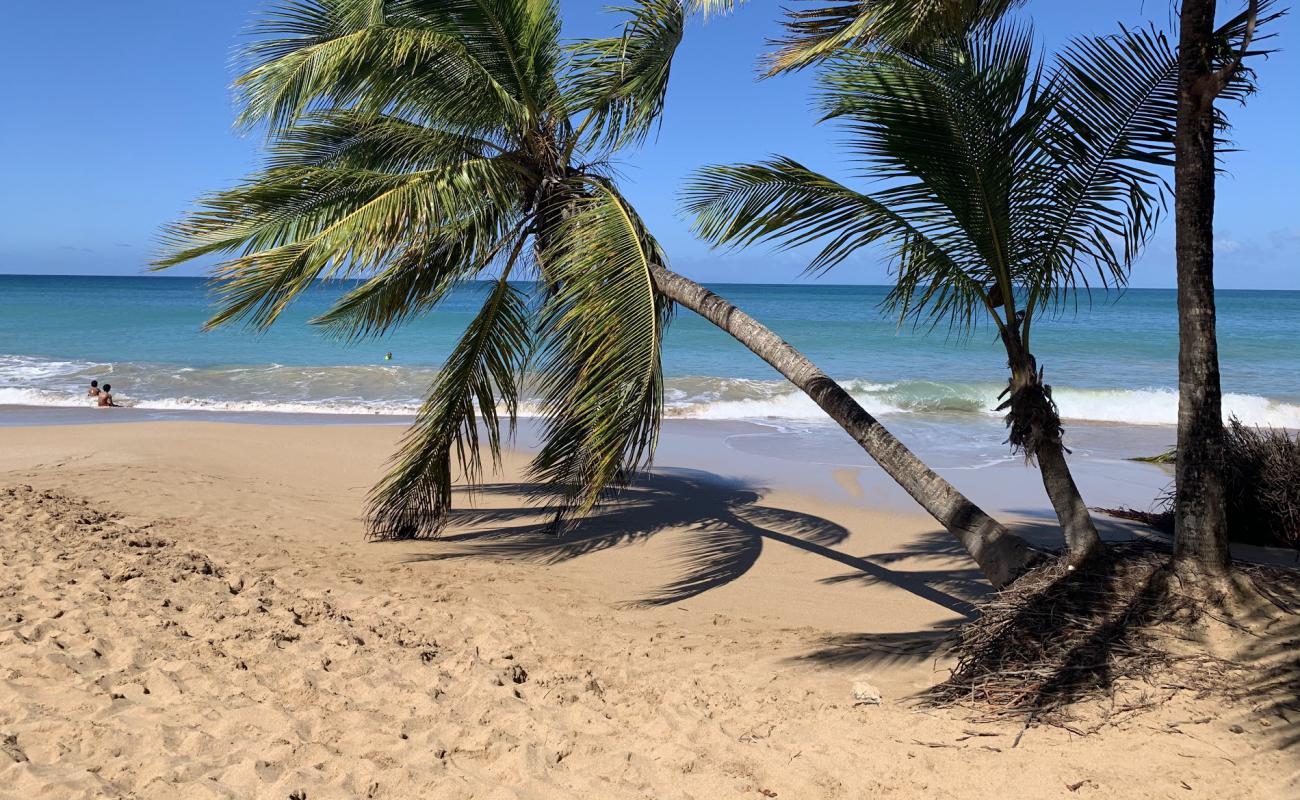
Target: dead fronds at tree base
[1162,520]
[1061,635]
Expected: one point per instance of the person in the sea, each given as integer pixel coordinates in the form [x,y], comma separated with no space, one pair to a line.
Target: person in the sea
[94,389]
[388,356]
[106,397]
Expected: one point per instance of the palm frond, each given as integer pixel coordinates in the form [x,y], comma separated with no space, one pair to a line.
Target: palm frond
[931,286]
[481,373]
[599,365]
[814,34]
[1087,199]
[1093,196]
[375,142]
[420,276]
[416,59]
[622,80]
[1105,74]
[711,8]
[296,225]
[783,201]
[943,119]
[516,41]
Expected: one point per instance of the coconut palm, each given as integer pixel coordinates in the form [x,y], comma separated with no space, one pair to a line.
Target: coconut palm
[1210,66]
[417,144]
[997,185]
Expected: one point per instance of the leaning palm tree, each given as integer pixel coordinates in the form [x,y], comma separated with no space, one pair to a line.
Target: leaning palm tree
[999,187]
[1211,65]
[417,144]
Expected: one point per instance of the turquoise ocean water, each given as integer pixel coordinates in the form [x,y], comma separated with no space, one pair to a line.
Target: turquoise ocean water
[1111,360]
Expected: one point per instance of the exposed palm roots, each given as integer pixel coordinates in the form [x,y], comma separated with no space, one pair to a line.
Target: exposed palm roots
[1121,621]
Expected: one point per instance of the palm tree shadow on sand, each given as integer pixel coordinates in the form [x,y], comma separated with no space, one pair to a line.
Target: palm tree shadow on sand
[722,527]
[870,649]
[1273,685]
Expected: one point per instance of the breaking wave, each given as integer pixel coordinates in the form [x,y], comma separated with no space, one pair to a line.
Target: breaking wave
[391,390]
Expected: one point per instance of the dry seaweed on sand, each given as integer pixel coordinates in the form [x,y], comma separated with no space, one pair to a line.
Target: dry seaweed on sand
[1162,520]
[1262,471]
[1061,635]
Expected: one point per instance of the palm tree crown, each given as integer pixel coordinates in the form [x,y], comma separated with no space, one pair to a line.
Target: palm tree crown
[997,185]
[997,188]
[415,144]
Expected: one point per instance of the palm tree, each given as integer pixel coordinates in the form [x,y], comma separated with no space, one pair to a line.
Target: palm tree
[998,189]
[417,144]
[1210,65]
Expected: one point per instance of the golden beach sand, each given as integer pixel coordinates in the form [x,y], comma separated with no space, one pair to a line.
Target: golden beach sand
[190,610]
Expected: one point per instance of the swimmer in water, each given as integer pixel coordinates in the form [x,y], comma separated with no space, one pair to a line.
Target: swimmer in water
[106,397]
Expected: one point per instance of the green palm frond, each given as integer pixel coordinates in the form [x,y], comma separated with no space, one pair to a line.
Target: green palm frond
[481,374]
[943,128]
[419,277]
[1087,193]
[375,142]
[781,200]
[814,34]
[517,41]
[325,222]
[1094,196]
[1130,78]
[713,7]
[947,120]
[434,61]
[623,80]
[296,225]
[416,144]
[1104,75]
[599,364]
[999,188]
[930,285]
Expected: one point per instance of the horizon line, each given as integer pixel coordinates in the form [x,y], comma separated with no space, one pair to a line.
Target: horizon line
[806,283]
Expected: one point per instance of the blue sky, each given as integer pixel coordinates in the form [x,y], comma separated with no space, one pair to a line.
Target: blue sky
[118,114]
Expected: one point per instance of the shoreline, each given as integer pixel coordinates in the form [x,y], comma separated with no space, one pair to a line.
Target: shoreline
[816,458]
[750,456]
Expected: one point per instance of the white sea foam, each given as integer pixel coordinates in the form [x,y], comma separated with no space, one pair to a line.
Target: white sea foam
[1160,407]
[19,370]
[12,396]
[792,406]
[1131,406]
[273,407]
[387,390]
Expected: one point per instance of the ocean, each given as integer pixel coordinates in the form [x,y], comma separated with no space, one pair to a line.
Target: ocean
[1111,359]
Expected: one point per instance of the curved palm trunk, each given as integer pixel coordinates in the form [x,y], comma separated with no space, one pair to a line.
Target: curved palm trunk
[1036,429]
[1081,537]
[1200,516]
[1000,554]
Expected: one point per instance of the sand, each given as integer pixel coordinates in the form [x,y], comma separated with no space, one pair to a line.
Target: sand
[190,610]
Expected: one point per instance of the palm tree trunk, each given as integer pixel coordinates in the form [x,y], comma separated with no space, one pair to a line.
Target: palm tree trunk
[1200,518]
[1036,429]
[1000,554]
[1081,538]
